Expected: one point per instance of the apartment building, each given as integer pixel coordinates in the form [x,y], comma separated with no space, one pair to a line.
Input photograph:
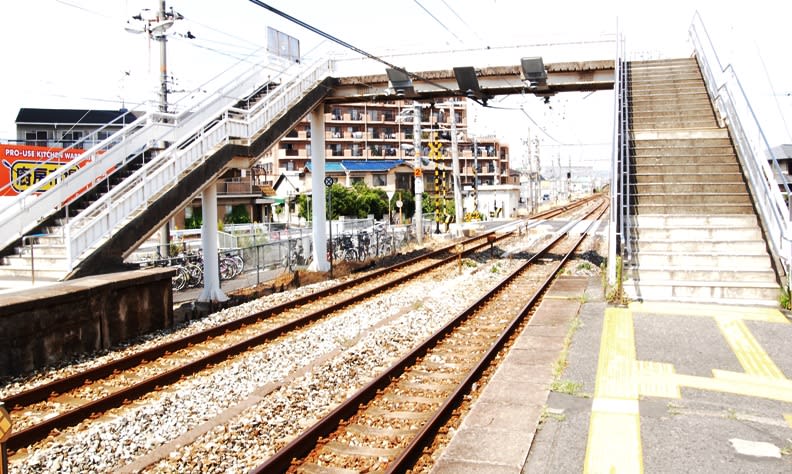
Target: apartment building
[384,131]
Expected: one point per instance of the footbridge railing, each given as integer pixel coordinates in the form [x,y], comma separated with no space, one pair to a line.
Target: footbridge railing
[177,141]
[619,232]
[768,184]
[216,129]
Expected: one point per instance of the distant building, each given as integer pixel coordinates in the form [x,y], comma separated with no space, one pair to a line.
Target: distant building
[783,154]
[369,131]
[357,136]
[63,128]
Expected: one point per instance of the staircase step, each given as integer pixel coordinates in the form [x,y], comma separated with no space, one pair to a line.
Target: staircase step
[672,134]
[676,274]
[40,250]
[680,157]
[643,167]
[44,262]
[692,144]
[715,246]
[685,177]
[693,209]
[671,122]
[673,112]
[739,261]
[695,222]
[640,188]
[682,234]
[735,293]
[682,198]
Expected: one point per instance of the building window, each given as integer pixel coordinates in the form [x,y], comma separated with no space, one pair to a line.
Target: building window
[358,179]
[336,150]
[37,137]
[335,132]
[336,114]
[70,138]
[289,149]
[380,179]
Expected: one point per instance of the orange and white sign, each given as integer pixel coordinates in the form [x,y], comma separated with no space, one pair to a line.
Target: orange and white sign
[22,166]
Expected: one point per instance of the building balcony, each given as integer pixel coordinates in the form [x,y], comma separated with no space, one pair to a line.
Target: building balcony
[236,186]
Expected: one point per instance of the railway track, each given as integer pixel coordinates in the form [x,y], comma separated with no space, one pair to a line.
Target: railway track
[70,400]
[385,425]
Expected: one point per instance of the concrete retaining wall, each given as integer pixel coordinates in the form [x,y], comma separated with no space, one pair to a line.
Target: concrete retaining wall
[42,326]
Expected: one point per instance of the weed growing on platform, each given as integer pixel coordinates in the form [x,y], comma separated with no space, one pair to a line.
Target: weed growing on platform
[562,362]
[785,299]
[787,450]
[566,386]
[615,295]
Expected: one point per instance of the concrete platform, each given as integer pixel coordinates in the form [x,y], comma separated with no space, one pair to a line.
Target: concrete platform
[661,387]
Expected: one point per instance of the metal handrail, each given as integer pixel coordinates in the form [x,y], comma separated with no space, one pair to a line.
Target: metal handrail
[619,209]
[100,218]
[759,162]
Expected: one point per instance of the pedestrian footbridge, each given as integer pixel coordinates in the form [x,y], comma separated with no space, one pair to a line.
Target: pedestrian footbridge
[129,185]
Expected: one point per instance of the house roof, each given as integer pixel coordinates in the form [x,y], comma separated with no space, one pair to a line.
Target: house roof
[330,167]
[73,116]
[783,152]
[370,165]
[358,165]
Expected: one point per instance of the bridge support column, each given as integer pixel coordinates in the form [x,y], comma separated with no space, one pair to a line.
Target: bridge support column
[318,209]
[211,291]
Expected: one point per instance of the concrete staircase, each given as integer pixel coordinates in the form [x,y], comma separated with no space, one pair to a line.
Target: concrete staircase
[694,234]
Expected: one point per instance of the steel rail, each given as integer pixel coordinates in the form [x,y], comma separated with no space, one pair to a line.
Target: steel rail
[34,433]
[304,443]
[27,436]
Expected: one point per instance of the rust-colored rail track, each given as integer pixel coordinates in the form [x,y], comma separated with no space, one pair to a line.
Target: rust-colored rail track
[385,425]
[101,388]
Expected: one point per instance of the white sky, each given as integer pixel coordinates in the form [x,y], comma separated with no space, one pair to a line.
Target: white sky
[76,53]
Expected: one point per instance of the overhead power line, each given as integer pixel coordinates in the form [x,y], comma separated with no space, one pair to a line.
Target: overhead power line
[438,21]
[345,44]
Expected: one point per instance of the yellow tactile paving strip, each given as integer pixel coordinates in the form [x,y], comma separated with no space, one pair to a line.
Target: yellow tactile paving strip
[622,380]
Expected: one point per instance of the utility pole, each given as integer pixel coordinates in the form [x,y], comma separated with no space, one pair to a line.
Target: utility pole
[455,171]
[156,28]
[475,175]
[538,187]
[163,106]
[163,39]
[419,184]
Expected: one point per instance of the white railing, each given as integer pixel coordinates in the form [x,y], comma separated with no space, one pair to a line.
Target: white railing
[211,128]
[753,150]
[618,231]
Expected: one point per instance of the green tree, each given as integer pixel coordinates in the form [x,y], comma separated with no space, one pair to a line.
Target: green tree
[239,215]
[370,201]
[304,206]
[343,203]
[194,221]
